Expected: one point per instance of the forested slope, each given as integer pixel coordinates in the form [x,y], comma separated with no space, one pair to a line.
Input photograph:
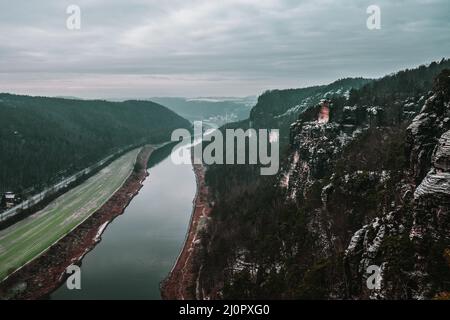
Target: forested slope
[277,109]
[216,110]
[42,139]
[370,187]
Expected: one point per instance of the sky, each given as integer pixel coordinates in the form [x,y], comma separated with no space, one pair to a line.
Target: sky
[191,48]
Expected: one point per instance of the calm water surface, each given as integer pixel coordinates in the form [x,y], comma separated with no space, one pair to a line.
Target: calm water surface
[139,247]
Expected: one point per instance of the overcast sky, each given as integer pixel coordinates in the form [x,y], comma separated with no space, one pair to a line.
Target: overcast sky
[144,48]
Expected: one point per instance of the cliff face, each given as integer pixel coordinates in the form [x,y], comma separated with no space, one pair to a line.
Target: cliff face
[392,216]
[411,242]
[367,189]
[327,176]
[279,108]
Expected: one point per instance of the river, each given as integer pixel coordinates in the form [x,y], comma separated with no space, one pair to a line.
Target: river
[139,248]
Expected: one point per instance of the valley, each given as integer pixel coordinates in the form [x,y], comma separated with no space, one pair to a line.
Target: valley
[362,182]
[27,239]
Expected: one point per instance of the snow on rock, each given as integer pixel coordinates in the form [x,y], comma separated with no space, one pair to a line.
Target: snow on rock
[100,231]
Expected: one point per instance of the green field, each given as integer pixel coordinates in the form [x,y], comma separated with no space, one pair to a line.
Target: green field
[28,238]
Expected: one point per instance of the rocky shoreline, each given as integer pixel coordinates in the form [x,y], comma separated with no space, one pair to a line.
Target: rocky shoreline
[40,277]
[181,283]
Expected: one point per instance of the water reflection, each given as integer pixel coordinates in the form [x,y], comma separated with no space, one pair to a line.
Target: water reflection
[139,247]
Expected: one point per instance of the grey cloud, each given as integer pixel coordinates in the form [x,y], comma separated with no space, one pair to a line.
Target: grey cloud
[198,47]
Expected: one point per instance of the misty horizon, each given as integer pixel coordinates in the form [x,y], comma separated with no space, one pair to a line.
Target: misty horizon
[236,48]
[219,97]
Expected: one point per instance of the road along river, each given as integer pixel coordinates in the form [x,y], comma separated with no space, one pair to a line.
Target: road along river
[138,248]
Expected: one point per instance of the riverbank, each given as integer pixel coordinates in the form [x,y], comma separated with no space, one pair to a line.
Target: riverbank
[40,277]
[181,283]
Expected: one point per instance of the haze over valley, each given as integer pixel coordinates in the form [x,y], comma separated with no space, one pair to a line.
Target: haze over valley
[225,150]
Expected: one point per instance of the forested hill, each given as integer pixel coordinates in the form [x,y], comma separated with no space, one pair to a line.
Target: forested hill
[367,188]
[276,103]
[217,110]
[400,85]
[43,138]
[279,108]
